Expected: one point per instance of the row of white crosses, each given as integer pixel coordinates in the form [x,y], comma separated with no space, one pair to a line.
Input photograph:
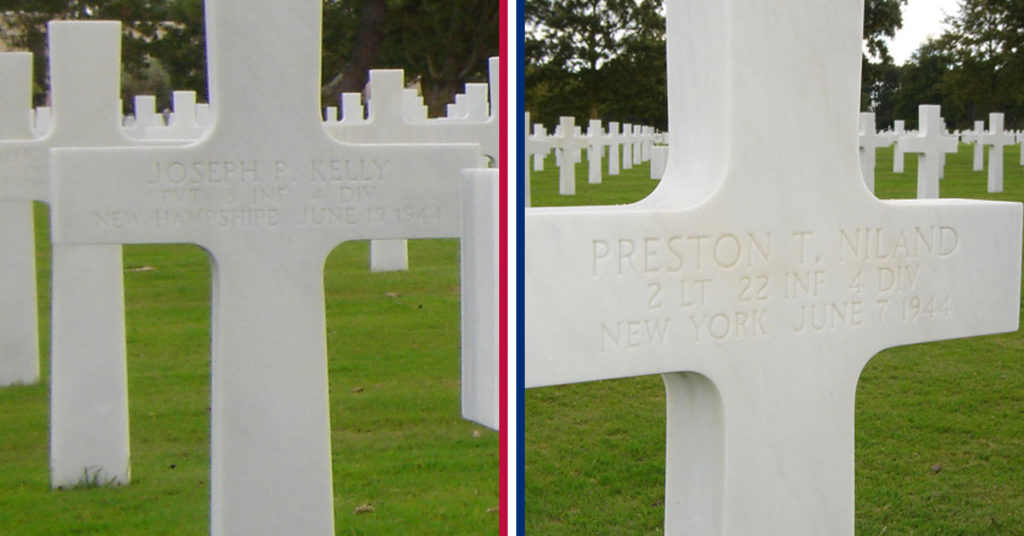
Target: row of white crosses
[933,143]
[395,115]
[270,437]
[633,142]
[752,278]
[392,109]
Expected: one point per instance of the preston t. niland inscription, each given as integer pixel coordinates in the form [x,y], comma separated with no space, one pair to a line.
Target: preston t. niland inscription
[836,279]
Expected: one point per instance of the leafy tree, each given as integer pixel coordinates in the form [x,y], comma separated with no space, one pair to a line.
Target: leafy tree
[579,52]
[986,42]
[446,43]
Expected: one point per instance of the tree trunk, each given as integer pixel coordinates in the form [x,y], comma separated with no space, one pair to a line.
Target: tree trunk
[372,26]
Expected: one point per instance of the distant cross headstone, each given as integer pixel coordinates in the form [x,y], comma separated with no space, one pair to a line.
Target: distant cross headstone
[627,146]
[265,194]
[870,141]
[614,147]
[598,140]
[646,141]
[1020,140]
[568,145]
[352,108]
[536,146]
[144,107]
[387,124]
[638,157]
[19,331]
[899,129]
[996,139]
[761,276]
[974,138]
[659,157]
[183,123]
[42,122]
[932,144]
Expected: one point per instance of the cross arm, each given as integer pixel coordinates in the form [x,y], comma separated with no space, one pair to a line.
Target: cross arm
[323,192]
[616,292]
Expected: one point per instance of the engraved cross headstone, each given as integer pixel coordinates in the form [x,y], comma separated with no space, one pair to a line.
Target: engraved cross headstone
[996,139]
[761,275]
[932,144]
[614,149]
[386,124]
[266,193]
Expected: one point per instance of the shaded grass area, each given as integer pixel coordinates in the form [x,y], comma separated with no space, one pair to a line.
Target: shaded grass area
[940,426]
[403,457]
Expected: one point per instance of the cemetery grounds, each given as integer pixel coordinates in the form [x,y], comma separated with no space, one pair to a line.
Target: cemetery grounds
[939,426]
[404,460]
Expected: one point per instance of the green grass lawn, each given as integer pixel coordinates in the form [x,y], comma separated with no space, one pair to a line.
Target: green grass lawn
[399,444]
[940,426]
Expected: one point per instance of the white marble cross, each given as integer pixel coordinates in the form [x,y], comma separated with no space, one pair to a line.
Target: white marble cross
[870,141]
[898,129]
[996,139]
[19,330]
[974,138]
[535,146]
[184,123]
[479,288]
[42,122]
[568,145]
[145,116]
[352,108]
[268,193]
[598,139]
[387,124]
[626,138]
[331,114]
[614,147]
[638,157]
[761,275]
[88,391]
[932,144]
[1020,140]
[659,157]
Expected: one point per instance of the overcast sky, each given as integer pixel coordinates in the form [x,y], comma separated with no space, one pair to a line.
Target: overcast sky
[921,18]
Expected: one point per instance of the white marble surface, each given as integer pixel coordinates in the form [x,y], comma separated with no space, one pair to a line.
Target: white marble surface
[264,193]
[480,299]
[761,275]
[19,330]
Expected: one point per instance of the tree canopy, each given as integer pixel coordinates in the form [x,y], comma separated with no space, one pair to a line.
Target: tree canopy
[606,59]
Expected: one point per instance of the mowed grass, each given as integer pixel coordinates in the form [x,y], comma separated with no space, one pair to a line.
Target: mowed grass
[402,454]
[939,426]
